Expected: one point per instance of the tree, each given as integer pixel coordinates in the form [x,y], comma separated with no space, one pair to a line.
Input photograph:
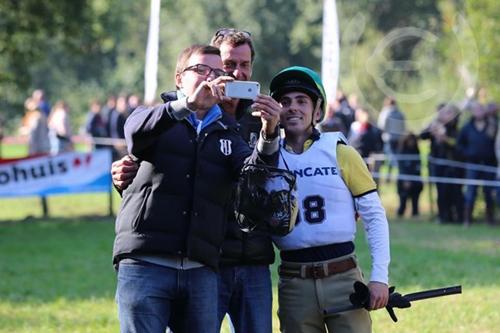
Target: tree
[71,49]
[83,49]
[483,17]
[27,29]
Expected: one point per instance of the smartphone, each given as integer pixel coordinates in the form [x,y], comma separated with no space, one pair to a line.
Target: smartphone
[242,89]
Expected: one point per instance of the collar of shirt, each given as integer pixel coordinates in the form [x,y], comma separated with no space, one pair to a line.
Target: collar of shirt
[212,115]
[307,144]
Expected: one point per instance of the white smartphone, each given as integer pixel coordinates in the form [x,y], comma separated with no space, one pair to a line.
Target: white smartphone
[242,89]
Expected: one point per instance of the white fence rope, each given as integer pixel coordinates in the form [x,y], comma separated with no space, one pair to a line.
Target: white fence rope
[445,180]
[108,141]
[434,160]
[433,179]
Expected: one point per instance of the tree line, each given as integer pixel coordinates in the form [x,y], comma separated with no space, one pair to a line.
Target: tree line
[84,49]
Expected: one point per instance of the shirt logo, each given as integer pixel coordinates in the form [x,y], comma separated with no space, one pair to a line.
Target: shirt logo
[317,171]
[225,146]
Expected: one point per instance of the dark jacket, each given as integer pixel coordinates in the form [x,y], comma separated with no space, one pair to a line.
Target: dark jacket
[95,126]
[116,124]
[241,248]
[178,201]
[409,167]
[445,149]
[368,141]
[477,146]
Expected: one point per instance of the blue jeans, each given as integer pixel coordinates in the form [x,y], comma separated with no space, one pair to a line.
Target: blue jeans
[151,297]
[471,190]
[245,293]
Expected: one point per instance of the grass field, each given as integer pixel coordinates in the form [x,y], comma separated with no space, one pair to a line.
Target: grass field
[56,276]
[56,273]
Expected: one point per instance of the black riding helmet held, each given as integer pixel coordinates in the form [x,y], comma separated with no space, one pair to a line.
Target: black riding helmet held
[266,199]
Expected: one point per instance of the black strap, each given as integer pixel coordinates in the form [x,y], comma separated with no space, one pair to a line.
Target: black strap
[284,161]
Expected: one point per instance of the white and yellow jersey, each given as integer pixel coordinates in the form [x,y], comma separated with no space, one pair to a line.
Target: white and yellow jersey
[326,206]
[333,184]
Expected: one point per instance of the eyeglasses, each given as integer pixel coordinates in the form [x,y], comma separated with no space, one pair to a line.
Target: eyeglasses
[205,70]
[230,31]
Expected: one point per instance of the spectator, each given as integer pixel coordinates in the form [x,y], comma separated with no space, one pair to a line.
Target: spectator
[442,133]
[34,126]
[60,129]
[244,279]
[476,142]
[333,122]
[365,137]
[133,102]
[172,221]
[497,154]
[392,123]
[492,113]
[492,109]
[107,110]
[409,189]
[95,125]
[116,123]
[344,110]
[38,97]
[353,102]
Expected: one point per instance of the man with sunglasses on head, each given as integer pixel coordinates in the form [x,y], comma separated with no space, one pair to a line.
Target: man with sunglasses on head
[245,285]
[244,279]
[172,219]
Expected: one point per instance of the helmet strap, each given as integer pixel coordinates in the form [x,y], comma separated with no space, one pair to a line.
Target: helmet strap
[316,110]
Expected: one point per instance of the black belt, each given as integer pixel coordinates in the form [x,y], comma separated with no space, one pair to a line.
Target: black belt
[318,253]
[316,271]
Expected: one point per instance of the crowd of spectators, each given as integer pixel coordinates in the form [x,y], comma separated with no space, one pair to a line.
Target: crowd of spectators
[48,129]
[105,123]
[34,124]
[464,150]
[464,144]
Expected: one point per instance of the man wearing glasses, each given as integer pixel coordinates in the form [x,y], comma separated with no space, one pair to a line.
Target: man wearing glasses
[172,219]
[244,279]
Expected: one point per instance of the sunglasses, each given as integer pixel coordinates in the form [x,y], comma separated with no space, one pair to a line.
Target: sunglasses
[205,70]
[231,31]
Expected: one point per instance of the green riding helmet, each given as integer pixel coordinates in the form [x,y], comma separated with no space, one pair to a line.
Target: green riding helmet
[298,78]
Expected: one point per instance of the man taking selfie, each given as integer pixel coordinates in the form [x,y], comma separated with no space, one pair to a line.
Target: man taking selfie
[172,218]
[244,279]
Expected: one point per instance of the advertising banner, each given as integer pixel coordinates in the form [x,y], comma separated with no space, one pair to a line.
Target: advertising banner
[71,172]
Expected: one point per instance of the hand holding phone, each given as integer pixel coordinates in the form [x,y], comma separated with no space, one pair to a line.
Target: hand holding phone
[242,89]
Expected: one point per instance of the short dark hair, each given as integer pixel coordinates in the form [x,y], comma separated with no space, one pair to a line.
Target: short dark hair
[234,37]
[186,54]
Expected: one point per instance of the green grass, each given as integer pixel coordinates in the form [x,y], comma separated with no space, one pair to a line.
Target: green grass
[21,150]
[59,206]
[56,276]
[56,273]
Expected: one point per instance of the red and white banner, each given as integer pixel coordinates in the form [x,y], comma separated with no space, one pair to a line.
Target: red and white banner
[64,173]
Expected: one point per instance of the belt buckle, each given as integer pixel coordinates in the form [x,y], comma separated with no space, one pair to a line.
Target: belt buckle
[318,271]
